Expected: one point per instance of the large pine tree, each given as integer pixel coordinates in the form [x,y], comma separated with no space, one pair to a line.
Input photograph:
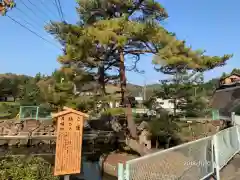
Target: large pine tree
[108,31]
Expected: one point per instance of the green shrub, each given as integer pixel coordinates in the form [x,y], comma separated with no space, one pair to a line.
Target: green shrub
[9,110]
[31,168]
[114,111]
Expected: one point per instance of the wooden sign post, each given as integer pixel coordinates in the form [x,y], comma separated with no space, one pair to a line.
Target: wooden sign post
[69,141]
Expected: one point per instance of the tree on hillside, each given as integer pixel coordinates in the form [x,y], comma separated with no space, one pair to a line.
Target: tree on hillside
[55,93]
[9,85]
[31,95]
[210,86]
[235,70]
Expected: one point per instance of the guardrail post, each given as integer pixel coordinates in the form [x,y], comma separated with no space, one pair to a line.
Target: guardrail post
[120,171]
[238,136]
[213,154]
[127,173]
[37,113]
[216,155]
[233,118]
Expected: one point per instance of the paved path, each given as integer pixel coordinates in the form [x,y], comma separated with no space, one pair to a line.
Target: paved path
[232,170]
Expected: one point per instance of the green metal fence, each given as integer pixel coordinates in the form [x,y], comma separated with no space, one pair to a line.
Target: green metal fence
[34,112]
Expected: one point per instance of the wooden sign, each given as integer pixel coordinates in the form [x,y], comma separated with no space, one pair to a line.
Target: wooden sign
[69,141]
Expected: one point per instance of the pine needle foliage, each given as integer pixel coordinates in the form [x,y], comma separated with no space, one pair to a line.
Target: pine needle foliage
[108,31]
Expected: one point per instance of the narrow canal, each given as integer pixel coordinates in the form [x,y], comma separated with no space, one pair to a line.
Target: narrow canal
[90,170]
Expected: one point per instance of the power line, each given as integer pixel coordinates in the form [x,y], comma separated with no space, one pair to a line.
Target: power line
[59,12]
[46,7]
[32,11]
[29,17]
[38,8]
[28,23]
[59,8]
[54,4]
[24,19]
[36,34]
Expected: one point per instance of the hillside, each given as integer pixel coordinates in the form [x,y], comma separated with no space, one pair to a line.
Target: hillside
[137,90]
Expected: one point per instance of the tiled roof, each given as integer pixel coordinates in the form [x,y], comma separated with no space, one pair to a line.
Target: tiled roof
[226,100]
[233,74]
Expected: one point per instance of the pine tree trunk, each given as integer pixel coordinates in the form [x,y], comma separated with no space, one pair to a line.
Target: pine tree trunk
[157,142]
[131,141]
[123,82]
[101,79]
[102,83]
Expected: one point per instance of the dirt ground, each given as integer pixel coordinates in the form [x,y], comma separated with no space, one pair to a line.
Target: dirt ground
[232,170]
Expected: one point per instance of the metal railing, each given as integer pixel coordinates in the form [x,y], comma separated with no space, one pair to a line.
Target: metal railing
[226,145]
[34,113]
[194,160]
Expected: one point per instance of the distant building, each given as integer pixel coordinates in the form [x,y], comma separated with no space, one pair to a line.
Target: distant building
[231,79]
[166,104]
[6,98]
[226,97]
[139,99]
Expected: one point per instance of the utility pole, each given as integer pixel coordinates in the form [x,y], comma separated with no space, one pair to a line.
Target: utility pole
[144,90]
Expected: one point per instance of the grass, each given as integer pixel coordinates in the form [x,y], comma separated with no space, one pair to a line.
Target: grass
[9,103]
[196,129]
[4,114]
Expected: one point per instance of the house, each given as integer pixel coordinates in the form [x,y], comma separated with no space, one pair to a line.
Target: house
[6,98]
[166,104]
[231,79]
[226,97]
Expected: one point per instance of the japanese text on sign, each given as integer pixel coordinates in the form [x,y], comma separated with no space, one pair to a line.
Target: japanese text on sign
[69,144]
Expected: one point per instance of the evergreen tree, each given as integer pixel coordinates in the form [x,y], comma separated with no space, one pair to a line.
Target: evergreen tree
[108,31]
[186,67]
[235,70]
[182,89]
[177,57]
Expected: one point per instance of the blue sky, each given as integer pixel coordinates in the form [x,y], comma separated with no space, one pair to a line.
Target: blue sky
[207,24]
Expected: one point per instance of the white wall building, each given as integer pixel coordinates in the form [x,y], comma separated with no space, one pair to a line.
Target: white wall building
[166,104]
